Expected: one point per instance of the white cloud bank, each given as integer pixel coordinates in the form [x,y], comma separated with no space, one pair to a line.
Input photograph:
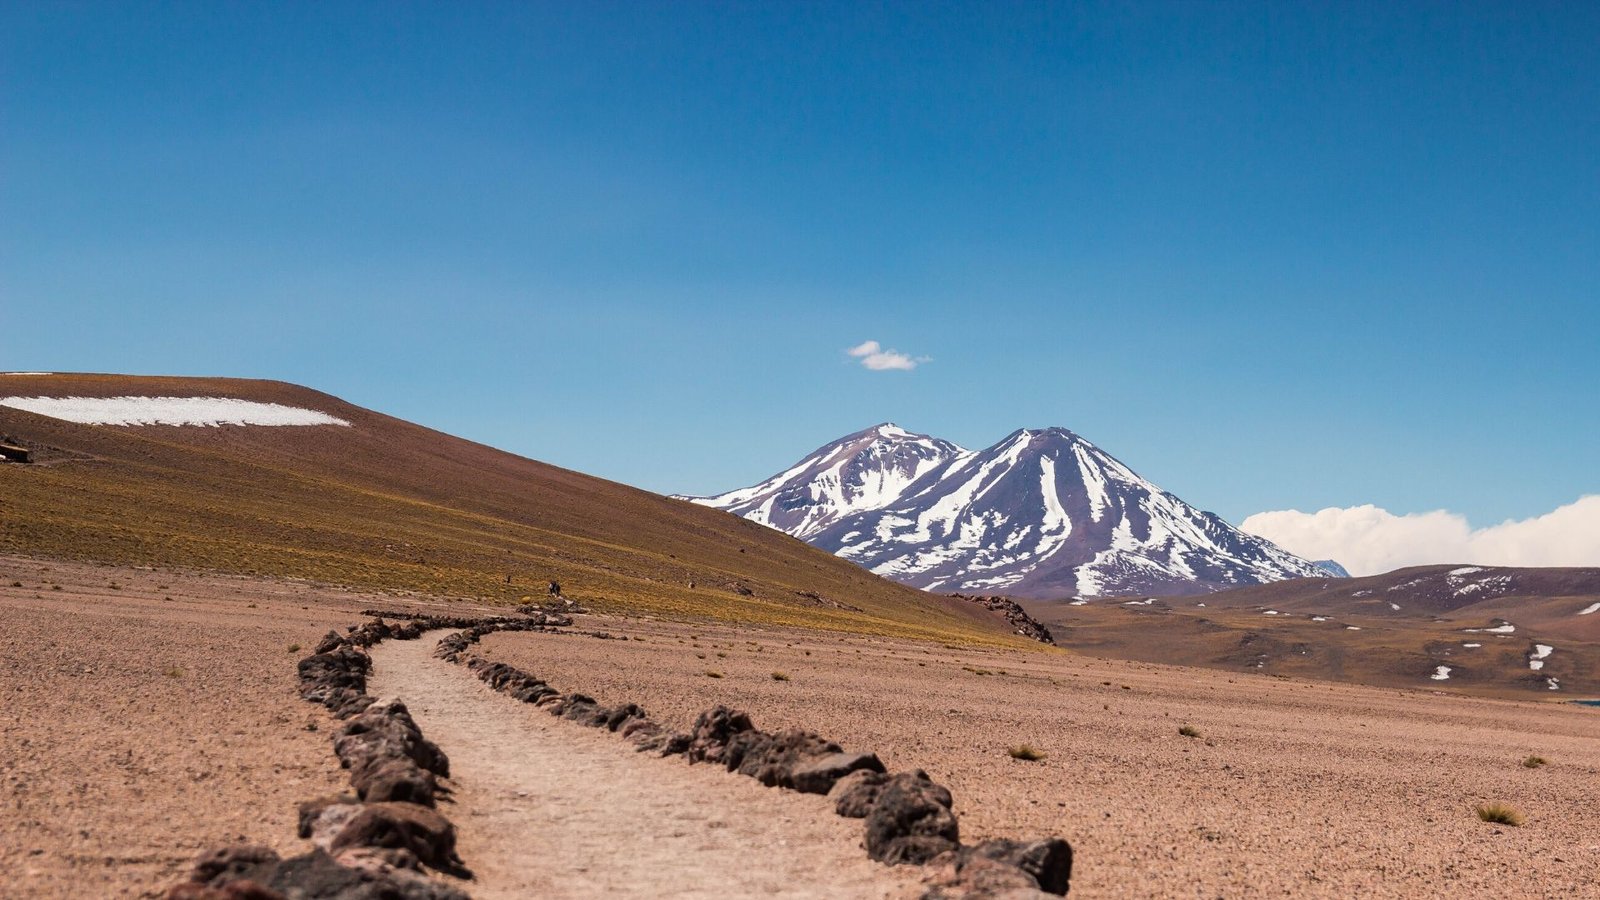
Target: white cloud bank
[874,357]
[1369,540]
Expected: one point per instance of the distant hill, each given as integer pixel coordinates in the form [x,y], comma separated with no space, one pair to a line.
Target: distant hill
[1042,514]
[1497,631]
[373,501]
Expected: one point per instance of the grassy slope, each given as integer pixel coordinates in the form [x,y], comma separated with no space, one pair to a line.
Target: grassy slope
[391,505]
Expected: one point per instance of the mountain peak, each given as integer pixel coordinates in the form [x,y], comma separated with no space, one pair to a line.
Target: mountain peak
[1053,434]
[891,430]
[860,471]
[1042,513]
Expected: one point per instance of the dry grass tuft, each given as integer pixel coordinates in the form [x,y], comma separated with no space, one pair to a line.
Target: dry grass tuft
[1189,731]
[1026,753]
[1535,762]
[713,673]
[780,676]
[1500,813]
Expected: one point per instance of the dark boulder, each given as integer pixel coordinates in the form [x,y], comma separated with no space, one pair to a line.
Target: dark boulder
[387,731]
[712,732]
[406,826]
[911,821]
[395,778]
[818,775]
[1048,862]
[854,795]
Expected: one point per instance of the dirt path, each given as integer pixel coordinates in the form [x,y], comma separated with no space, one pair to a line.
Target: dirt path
[547,808]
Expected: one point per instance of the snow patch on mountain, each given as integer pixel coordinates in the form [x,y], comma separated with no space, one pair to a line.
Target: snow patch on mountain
[201,411]
[1042,513]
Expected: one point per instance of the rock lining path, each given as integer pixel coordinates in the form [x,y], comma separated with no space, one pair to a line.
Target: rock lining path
[545,808]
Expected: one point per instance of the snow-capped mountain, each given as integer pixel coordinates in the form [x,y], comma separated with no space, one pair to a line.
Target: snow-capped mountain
[859,472]
[1041,514]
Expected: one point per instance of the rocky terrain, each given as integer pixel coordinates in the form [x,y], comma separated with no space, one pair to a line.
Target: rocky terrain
[141,733]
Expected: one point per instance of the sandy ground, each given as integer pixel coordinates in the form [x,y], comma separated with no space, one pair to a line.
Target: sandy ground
[137,730]
[548,808]
[1294,788]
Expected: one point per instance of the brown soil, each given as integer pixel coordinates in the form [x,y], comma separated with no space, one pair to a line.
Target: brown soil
[136,731]
[547,808]
[1297,788]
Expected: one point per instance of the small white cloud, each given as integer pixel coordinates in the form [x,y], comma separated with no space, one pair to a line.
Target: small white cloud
[1369,540]
[874,357]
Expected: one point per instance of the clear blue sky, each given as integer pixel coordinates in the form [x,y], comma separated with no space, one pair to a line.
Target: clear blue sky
[1271,255]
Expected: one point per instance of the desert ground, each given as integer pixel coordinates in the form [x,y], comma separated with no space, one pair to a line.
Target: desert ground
[150,714]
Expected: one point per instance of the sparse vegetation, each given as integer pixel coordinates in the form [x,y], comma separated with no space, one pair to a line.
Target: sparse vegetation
[713,673]
[1025,753]
[1535,762]
[1189,731]
[1500,814]
[174,672]
[294,648]
[780,676]
[332,520]
[16,584]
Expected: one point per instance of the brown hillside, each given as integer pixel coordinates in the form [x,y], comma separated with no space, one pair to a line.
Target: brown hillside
[392,505]
[1483,623]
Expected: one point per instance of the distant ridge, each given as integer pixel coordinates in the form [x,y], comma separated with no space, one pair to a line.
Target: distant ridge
[1043,513]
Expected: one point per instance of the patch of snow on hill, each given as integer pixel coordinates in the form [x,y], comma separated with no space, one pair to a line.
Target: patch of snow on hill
[203,411]
[1590,609]
[1540,651]
[1441,673]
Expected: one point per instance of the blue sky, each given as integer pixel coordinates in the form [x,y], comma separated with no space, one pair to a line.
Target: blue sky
[1271,255]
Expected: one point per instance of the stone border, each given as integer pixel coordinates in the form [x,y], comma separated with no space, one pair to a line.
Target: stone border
[908,817]
[377,843]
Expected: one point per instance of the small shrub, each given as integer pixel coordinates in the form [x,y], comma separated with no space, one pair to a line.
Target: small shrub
[294,648]
[1500,814]
[1189,731]
[780,676]
[1535,762]
[1026,753]
[55,587]
[16,584]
